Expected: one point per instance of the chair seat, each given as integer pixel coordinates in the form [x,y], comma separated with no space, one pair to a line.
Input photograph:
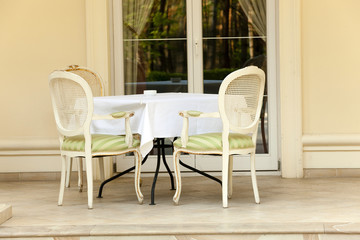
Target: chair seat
[100,143]
[213,142]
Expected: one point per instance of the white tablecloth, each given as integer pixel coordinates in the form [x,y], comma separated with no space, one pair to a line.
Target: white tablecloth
[156,116]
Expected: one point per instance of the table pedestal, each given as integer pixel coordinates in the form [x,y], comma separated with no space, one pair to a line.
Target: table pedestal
[160,145]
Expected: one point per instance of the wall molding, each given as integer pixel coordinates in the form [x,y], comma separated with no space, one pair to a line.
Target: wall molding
[30,153]
[331,141]
[28,144]
[331,151]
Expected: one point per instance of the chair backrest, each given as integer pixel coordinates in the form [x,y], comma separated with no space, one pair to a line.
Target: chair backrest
[240,99]
[72,102]
[93,79]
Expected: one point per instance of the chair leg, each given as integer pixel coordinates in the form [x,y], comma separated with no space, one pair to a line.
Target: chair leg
[138,160]
[89,176]
[230,186]
[62,180]
[253,177]
[177,172]
[68,171]
[80,173]
[101,169]
[225,178]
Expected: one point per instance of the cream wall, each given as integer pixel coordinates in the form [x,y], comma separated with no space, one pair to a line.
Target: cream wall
[330,66]
[37,37]
[330,83]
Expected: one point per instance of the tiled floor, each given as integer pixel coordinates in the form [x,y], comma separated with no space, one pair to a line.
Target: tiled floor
[308,209]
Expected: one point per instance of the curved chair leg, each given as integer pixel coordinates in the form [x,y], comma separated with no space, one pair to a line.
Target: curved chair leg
[62,180]
[80,173]
[138,160]
[177,172]
[68,171]
[89,177]
[230,186]
[225,176]
[253,177]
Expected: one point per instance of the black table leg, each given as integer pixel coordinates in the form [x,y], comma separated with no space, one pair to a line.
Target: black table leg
[200,172]
[166,165]
[160,145]
[156,173]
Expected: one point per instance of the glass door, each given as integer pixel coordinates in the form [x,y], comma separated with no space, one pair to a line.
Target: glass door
[190,46]
[230,42]
[237,34]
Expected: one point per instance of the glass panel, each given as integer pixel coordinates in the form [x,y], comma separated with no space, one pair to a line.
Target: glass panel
[156,71]
[237,55]
[155,55]
[231,41]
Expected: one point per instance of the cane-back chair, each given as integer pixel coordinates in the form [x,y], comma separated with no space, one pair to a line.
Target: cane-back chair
[97,87]
[72,101]
[240,100]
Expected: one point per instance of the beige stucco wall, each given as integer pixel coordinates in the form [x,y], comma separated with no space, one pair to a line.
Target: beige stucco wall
[330,66]
[36,37]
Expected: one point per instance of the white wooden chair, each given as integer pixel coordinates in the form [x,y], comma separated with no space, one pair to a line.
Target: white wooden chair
[97,87]
[240,100]
[72,102]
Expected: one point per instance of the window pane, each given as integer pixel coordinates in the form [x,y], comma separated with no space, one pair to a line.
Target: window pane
[161,66]
[155,51]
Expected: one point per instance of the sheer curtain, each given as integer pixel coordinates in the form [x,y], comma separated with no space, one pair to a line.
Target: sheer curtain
[255,10]
[136,13]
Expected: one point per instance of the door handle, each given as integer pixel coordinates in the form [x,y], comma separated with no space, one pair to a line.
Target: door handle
[196,47]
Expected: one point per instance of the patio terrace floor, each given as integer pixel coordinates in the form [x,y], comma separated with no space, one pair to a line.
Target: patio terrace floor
[317,208]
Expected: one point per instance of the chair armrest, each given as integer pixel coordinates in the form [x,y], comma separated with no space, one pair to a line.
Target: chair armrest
[112,116]
[192,113]
[119,115]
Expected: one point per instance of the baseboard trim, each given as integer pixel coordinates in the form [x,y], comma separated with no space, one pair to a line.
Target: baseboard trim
[30,153]
[336,151]
[332,173]
[331,142]
[8,145]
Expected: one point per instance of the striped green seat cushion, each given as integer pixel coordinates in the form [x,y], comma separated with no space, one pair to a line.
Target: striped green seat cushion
[100,143]
[212,141]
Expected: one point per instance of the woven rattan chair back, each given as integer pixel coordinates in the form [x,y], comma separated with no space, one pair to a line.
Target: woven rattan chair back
[240,99]
[92,78]
[72,103]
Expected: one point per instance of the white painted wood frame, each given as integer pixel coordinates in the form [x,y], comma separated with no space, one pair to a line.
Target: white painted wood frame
[290,88]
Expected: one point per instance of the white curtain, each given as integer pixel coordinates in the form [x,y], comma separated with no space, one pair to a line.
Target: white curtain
[255,10]
[136,13]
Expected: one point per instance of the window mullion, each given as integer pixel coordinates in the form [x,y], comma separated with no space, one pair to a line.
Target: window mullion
[197,54]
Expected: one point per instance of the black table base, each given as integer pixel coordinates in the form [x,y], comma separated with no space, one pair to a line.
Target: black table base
[160,145]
